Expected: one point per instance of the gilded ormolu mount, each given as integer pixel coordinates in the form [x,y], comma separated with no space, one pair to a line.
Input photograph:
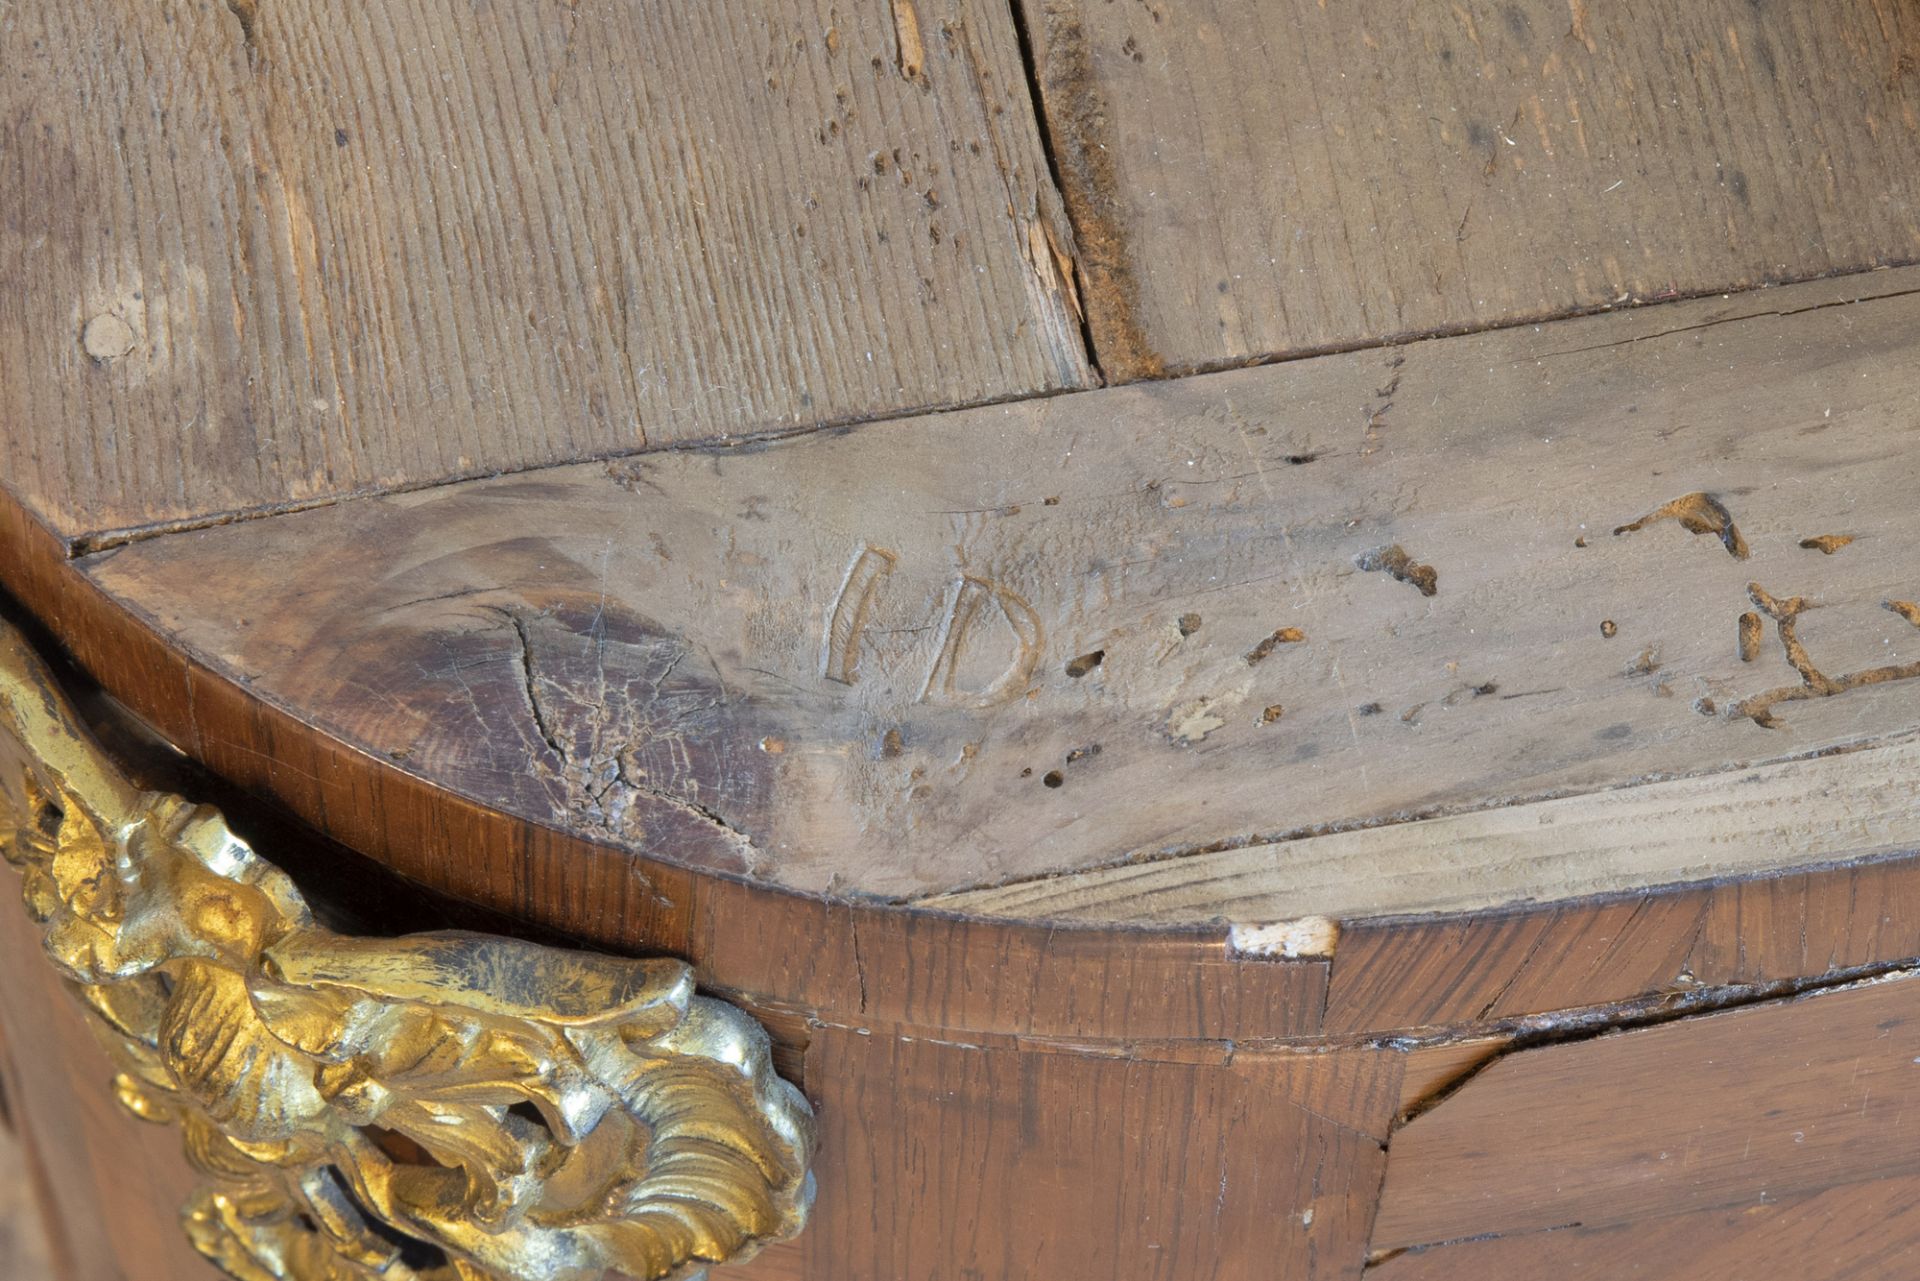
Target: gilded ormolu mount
[439,1107]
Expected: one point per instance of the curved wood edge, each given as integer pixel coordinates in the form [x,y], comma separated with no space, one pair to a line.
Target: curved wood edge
[801,963]
[773,950]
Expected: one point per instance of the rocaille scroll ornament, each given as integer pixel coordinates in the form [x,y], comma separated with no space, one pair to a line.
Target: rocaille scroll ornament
[438,1107]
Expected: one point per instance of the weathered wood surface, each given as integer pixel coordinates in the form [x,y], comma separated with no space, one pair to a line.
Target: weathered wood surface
[1797,811]
[1252,177]
[786,957]
[994,758]
[263,255]
[795,959]
[1153,627]
[1751,1108]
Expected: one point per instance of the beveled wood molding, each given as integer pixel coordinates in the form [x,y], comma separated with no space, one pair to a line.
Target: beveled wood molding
[438,1107]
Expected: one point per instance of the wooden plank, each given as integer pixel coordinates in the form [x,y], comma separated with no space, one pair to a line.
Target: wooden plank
[1410,974]
[1858,1232]
[874,691]
[1800,811]
[1721,1112]
[859,964]
[1484,967]
[1258,177]
[1054,1165]
[258,256]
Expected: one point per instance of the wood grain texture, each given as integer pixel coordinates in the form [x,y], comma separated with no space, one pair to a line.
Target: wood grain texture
[23,1238]
[1271,1168]
[111,1186]
[1258,177]
[1867,1231]
[264,255]
[1726,1111]
[1658,833]
[1436,972]
[872,690]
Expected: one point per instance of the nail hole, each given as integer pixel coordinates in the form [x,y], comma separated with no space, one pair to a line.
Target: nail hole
[1189,624]
[1053,778]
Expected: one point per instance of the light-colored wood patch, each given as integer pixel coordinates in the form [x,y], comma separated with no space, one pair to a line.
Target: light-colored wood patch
[1791,814]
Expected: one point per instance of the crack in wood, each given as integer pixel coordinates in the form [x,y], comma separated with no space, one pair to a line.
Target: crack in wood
[1540,1031]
